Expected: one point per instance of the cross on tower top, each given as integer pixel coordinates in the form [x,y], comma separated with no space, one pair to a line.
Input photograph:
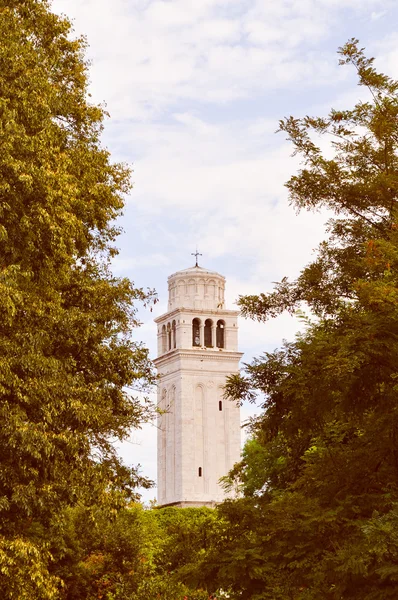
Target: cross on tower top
[196,254]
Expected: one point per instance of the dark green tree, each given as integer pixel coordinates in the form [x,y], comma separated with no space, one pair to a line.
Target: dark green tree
[68,366]
[318,517]
[139,554]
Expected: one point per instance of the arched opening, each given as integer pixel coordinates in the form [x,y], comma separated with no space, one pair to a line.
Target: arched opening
[196,332]
[208,333]
[164,339]
[200,472]
[173,329]
[220,405]
[168,336]
[220,334]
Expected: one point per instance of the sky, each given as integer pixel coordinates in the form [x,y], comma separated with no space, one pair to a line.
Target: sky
[195,91]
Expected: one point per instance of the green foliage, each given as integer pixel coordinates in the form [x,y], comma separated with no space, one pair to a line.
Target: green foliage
[67,362]
[139,554]
[186,534]
[24,570]
[166,588]
[318,517]
[358,185]
[103,557]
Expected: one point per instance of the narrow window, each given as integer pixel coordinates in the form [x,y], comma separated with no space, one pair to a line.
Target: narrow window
[196,332]
[200,471]
[220,334]
[169,336]
[208,333]
[164,339]
[220,405]
[173,328]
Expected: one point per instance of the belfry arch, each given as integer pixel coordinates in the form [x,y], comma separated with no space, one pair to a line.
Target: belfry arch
[220,334]
[208,333]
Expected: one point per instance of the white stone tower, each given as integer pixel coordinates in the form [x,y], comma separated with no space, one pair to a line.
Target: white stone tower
[198,430]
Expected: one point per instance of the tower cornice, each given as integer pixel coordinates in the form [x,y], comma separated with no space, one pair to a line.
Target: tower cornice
[197,311]
[197,353]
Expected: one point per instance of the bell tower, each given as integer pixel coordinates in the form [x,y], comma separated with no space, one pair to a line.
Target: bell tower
[198,430]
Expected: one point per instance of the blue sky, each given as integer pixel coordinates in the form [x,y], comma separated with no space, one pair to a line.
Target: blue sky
[195,90]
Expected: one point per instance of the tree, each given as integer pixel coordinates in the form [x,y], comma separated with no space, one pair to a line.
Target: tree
[69,369]
[318,516]
[140,554]
[103,557]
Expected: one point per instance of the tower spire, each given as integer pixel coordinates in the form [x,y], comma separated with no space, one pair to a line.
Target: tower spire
[196,254]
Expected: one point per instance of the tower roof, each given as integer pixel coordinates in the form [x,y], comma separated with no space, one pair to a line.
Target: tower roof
[195,270]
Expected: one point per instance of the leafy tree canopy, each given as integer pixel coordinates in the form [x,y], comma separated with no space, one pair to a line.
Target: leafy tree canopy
[318,517]
[138,555]
[68,366]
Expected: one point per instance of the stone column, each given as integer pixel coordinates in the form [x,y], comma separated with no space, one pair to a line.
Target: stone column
[213,334]
[202,334]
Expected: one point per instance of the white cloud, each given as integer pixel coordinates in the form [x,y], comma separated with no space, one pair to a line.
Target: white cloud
[386,53]
[125,264]
[148,55]
[378,15]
